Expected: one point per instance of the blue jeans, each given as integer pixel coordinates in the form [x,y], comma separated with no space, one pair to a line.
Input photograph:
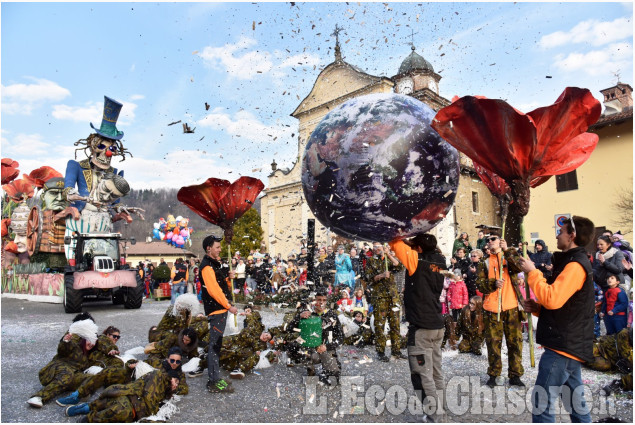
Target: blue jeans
[177,289]
[558,376]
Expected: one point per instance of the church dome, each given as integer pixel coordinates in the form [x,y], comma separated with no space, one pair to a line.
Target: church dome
[414,61]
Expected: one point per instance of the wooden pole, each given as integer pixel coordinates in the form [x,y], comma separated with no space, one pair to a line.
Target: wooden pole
[229,258]
[530,322]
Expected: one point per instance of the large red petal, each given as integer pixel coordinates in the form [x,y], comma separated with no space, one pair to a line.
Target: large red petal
[6,222]
[9,170]
[204,199]
[490,132]
[18,189]
[11,247]
[494,183]
[556,125]
[241,196]
[569,156]
[41,175]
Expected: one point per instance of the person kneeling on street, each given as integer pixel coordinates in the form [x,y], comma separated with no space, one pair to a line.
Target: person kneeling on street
[332,336]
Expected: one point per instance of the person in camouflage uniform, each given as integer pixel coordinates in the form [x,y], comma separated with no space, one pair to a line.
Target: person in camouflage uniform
[471,327]
[285,338]
[489,282]
[379,275]
[186,340]
[615,352]
[130,402]
[66,370]
[103,355]
[176,318]
[332,337]
[240,353]
[364,335]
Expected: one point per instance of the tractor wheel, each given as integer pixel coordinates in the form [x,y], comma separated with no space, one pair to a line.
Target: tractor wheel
[72,298]
[134,296]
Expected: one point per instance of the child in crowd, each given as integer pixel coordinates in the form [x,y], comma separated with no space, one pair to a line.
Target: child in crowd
[471,327]
[359,301]
[456,294]
[615,306]
[345,304]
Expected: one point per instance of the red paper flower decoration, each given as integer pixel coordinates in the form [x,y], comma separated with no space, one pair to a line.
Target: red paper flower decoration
[9,170]
[221,202]
[41,175]
[18,190]
[545,142]
[522,147]
[494,183]
[11,247]
[6,222]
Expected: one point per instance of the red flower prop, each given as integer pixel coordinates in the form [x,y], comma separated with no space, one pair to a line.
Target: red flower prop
[11,247]
[9,170]
[19,190]
[220,202]
[521,147]
[6,222]
[494,183]
[41,175]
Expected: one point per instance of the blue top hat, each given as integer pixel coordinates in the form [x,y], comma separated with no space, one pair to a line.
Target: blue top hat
[108,122]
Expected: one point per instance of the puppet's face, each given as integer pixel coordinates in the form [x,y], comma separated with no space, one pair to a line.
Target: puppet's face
[107,192]
[101,151]
[54,198]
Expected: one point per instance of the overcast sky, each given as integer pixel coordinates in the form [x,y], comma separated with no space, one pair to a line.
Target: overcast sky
[253,63]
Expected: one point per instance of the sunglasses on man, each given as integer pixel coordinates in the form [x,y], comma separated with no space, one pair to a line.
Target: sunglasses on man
[492,238]
[173,361]
[115,336]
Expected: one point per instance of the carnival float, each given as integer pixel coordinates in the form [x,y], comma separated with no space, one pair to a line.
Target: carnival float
[57,231]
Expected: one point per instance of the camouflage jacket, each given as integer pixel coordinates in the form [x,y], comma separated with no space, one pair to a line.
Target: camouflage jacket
[70,354]
[145,393]
[242,345]
[99,356]
[467,327]
[384,288]
[617,347]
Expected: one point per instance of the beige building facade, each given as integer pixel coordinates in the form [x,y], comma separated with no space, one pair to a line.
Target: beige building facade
[594,189]
[284,212]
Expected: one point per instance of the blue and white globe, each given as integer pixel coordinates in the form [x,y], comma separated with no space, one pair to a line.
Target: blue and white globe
[375,170]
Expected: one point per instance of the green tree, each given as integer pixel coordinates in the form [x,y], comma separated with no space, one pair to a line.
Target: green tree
[247,234]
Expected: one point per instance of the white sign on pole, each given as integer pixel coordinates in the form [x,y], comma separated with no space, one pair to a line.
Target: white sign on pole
[560,218]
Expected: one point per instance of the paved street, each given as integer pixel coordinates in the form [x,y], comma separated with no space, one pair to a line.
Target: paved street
[371,392]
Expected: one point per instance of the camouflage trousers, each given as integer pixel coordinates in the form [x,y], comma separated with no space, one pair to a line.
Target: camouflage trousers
[109,376]
[243,363]
[360,339]
[328,359]
[57,380]
[510,326]
[111,409]
[471,344]
[383,311]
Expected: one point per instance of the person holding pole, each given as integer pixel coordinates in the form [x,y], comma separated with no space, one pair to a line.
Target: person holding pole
[497,280]
[566,295]
[216,290]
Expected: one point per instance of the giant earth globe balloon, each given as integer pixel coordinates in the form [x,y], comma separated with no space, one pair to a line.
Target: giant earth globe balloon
[375,170]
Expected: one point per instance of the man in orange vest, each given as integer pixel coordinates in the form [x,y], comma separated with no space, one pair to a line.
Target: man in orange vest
[565,305]
[497,280]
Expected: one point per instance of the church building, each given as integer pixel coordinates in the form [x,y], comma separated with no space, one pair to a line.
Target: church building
[284,211]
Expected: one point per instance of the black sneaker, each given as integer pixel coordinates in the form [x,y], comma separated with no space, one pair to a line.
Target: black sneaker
[219,386]
[195,373]
[491,382]
[399,355]
[515,380]
[382,357]
[615,385]
[324,379]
